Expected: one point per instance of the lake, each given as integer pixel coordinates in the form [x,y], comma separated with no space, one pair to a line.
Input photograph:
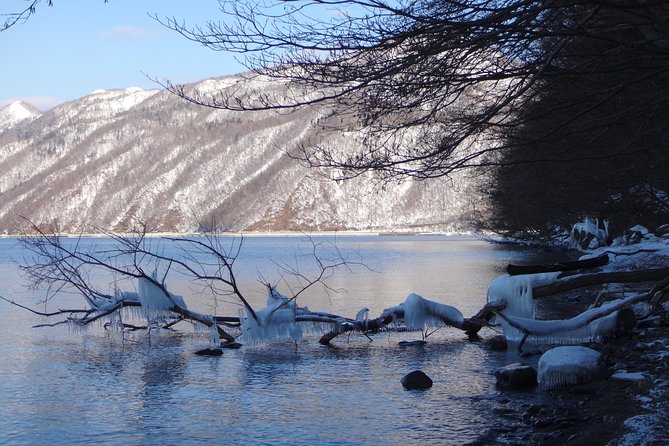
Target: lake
[99,387]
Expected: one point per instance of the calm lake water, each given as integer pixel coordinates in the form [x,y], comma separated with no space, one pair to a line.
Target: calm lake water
[58,387]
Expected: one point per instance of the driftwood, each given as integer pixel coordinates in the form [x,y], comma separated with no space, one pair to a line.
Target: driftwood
[653,295]
[585,280]
[474,324]
[594,262]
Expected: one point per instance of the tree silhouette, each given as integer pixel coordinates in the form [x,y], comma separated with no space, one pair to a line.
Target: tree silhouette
[436,86]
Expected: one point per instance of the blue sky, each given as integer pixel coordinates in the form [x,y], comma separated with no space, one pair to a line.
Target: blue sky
[75,47]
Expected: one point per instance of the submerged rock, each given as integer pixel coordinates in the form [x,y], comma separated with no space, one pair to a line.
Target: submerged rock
[516,376]
[209,352]
[416,380]
[418,343]
[563,367]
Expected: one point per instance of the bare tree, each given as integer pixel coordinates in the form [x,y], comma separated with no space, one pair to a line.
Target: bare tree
[19,17]
[102,276]
[432,84]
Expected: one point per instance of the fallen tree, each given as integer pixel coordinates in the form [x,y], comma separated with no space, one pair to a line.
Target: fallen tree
[98,275]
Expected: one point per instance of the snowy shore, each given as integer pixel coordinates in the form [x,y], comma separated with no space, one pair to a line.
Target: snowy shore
[631,407]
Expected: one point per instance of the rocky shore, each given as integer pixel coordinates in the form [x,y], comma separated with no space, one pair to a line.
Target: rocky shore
[631,407]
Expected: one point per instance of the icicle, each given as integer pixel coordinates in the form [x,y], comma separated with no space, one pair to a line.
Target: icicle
[75,326]
[362,315]
[155,304]
[420,313]
[215,341]
[274,322]
[516,293]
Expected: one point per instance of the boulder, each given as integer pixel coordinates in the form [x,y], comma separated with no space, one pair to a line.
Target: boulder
[416,380]
[516,376]
[563,367]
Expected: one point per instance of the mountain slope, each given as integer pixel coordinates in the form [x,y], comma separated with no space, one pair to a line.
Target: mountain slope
[115,156]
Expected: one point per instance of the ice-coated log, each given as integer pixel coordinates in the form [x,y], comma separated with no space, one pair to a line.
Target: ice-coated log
[563,367]
[420,313]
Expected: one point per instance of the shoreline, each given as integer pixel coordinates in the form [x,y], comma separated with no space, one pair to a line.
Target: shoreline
[629,409]
[251,234]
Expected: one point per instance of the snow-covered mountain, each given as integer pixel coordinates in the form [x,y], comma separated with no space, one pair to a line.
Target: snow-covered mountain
[113,156]
[15,112]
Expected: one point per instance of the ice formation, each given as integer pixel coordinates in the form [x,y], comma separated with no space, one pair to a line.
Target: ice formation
[215,341]
[275,321]
[362,315]
[579,329]
[516,293]
[155,303]
[562,367]
[420,313]
[588,227]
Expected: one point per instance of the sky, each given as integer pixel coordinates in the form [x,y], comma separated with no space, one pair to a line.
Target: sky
[68,50]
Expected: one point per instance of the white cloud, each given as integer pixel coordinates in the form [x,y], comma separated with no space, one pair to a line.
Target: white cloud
[42,103]
[127,32]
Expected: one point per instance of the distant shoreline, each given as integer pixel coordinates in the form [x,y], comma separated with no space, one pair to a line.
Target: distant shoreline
[455,235]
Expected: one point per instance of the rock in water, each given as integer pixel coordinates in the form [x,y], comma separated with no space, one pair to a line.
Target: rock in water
[412,343]
[562,367]
[209,352]
[416,380]
[516,376]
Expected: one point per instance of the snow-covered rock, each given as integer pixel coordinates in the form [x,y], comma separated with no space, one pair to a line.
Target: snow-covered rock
[628,376]
[563,367]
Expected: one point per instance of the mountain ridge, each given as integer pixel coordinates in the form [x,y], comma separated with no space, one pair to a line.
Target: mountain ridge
[116,156]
